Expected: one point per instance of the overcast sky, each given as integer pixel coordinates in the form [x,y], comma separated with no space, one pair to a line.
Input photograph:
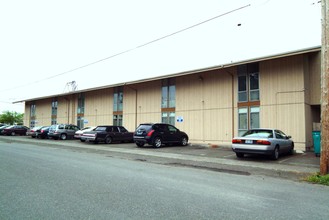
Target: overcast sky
[41,41]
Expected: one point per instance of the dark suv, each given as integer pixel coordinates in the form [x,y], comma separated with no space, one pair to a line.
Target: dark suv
[158,134]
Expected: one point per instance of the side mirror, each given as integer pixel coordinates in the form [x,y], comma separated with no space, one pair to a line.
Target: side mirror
[288,137]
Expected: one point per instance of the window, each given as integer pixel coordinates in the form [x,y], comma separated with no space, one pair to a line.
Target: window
[32,115]
[118,99]
[33,110]
[80,122]
[254,117]
[81,110]
[248,119]
[81,104]
[168,94]
[54,107]
[243,120]
[168,118]
[118,106]
[248,97]
[168,101]
[248,82]
[117,120]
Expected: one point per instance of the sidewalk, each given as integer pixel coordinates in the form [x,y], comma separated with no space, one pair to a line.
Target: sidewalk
[220,159]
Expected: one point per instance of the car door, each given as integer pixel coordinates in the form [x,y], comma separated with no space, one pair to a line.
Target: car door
[173,134]
[125,135]
[282,140]
[116,134]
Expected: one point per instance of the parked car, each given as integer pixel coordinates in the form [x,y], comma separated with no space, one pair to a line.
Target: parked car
[2,128]
[33,131]
[62,131]
[42,132]
[107,134]
[15,129]
[78,133]
[271,142]
[158,134]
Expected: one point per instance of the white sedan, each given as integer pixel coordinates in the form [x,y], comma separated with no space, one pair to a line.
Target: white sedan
[79,133]
[271,142]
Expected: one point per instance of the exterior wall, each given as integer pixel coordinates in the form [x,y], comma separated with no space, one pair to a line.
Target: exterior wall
[315,78]
[282,95]
[64,110]
[148,102]
[99,107]
[207,101]
[27,113]
[43,112]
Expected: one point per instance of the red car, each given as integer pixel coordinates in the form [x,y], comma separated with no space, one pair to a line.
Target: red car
[15,129]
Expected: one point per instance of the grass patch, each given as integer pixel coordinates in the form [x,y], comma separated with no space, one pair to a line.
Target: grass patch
[318,179]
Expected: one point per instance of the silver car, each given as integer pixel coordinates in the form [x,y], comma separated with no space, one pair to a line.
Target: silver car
[271,142]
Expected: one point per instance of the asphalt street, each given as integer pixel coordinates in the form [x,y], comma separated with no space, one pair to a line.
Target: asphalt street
[58,181]
[220,159]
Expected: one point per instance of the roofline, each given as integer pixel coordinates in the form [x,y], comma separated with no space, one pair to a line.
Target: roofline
[189,72]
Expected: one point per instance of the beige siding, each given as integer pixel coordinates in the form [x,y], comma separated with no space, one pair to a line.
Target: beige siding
[130,107]
[99,107]
[282,95]
[43,112]
[315,78]
[205,103]
[149,102]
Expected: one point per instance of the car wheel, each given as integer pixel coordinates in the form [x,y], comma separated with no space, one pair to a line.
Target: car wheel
[108,140]
[184,141]
[275,154]
[239,155]
[82,140]
[139,144]
[13,133]
[63,137]
[157,142]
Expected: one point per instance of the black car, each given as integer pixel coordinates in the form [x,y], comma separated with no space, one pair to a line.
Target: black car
[42,132]
[2,128]
[15,129]
[107,134]
[158,134]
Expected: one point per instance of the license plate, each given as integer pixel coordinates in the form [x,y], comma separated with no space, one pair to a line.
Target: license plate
[248,141]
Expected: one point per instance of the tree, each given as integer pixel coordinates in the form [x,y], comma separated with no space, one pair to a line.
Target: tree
[8,117]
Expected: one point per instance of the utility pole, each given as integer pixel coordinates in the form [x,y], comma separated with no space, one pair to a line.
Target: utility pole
[324,160]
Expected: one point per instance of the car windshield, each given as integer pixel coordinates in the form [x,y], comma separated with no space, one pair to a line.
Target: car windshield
[259,133]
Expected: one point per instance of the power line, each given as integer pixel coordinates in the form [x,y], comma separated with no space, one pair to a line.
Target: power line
[131,49]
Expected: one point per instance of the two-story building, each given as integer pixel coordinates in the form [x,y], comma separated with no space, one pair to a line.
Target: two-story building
[211,104]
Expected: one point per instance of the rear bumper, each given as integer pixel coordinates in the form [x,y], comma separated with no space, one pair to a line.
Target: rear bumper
[253,149]
[138,139]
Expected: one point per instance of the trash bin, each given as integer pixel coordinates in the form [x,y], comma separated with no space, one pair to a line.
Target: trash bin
[317,143]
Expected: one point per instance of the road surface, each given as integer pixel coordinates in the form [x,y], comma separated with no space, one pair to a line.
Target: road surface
[40,182]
